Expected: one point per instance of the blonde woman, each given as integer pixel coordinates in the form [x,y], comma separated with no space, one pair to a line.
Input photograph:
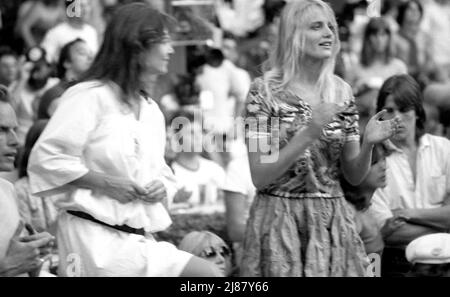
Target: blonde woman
[300,223]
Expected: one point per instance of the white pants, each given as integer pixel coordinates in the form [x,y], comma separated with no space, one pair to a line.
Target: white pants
[88,249]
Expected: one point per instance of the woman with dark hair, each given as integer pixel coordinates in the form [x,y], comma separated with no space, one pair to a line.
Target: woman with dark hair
[418,174]
[377,61]
[412,44]
[75,59]
[104,148]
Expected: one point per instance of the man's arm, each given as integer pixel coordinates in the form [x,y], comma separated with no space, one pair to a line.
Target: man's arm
[436,218]
[406,233]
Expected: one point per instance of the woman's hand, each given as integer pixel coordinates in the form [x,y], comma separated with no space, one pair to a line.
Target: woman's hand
[155,192]
[378,130]
[123,190]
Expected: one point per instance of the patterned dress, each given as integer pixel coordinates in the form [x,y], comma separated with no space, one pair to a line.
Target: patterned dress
[301,224]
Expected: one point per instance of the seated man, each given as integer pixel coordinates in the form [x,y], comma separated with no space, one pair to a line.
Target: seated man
[18,254]
[416,199]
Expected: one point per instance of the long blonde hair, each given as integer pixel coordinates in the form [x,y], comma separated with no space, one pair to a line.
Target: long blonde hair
[283,63]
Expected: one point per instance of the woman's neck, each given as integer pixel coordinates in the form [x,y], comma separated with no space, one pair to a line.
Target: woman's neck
[312,71]
[190,161]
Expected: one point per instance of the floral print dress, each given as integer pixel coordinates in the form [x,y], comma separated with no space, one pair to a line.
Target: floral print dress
[301,224]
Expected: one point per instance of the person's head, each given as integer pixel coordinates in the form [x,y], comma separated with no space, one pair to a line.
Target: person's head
[400,95]
[41,71]
[307,32]
[187,131]
[214,57]
[430,255]
[229,49]
[360,196]
[9,68]
[409,12]
[32,136]
[78,11]
[377,42]
[208,246]
[136,44]
[186,90]
[75,59]
[9,142]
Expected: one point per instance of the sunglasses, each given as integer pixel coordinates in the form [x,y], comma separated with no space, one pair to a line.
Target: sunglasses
[212,252]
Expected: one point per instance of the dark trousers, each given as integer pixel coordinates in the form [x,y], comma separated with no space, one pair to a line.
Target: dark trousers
[394,263]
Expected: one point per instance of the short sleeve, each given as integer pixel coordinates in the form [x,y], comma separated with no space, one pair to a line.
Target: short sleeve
[351,116]
[257,112]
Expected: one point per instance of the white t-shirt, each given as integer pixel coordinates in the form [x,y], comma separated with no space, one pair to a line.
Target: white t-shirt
[224,84]
[239,180]
[57,37]
[203,183]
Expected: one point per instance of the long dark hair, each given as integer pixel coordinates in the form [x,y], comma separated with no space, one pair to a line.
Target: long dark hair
[133,29]
[407,95]
[32,136]
[403,7]
[367,53]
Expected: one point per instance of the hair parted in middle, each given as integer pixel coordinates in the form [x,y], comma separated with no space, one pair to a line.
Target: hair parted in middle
[283,64]
[133,29]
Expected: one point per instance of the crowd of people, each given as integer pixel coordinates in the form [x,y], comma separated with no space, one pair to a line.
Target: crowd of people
[311,139]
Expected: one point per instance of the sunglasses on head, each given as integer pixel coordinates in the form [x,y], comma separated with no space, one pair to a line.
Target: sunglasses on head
[212,252]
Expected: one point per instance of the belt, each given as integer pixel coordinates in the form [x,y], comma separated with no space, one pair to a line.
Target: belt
[123,228]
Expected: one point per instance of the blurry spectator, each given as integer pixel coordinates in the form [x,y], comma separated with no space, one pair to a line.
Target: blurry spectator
[361,198]
[433,125]
[36,17]
[389,11]
[238,192]
[436,22]
[438,95]
[76,26]
[19,254]
[377,57]
[430,256]
[34,80]
[411,43]
[416,199]
[39,212]
[75,58]
[208,246]
[224,88]
[185,95]
[199,178]
[242,18]
[9,68]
